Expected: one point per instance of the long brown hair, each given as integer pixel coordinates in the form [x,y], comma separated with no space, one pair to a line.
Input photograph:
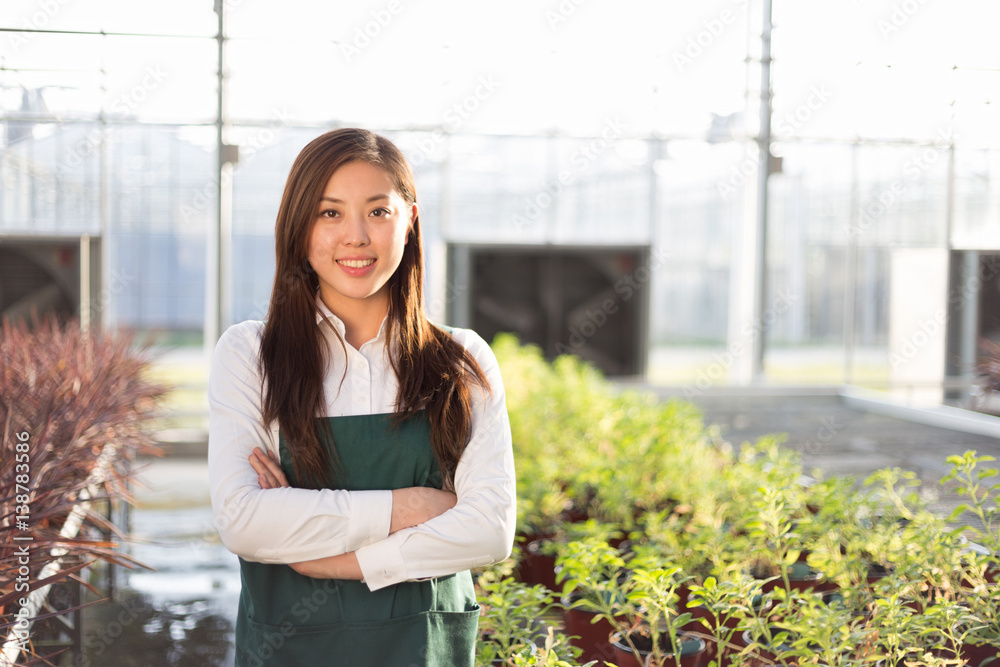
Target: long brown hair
[435,372]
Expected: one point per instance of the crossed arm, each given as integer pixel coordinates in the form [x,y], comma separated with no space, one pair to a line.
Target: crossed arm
[411,506]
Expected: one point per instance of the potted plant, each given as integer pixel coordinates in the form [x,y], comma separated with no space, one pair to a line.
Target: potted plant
[654,637]
[910,589]
[539,507]
[594,599]
[724,604]
[546,656]
[777,548]
[976,484]
[856,553]
[981,563]
[825,632]
[760,633]
[513,620]
[538,559]
[980,637]
[899,638]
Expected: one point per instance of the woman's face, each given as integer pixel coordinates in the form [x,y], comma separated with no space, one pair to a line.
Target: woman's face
[357,237]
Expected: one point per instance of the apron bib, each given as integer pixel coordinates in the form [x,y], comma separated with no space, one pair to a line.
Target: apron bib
[286,619]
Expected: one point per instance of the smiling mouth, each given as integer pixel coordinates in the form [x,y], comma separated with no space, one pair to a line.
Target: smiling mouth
[355,263]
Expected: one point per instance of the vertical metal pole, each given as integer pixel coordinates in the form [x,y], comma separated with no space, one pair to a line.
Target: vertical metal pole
[949,212]
[107,302]
[446,191]
[763,171]
[967,335]
[215,298]
[84,251]
[655,155]
[851,269]
[551,176]
[657,269]
[220,278]
[969,286]
[226,171]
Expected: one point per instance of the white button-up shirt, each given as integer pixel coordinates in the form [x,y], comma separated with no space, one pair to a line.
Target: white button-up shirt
[289,525]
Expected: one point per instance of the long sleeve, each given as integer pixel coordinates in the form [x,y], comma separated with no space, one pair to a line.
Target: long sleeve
[276,525]
[479,530]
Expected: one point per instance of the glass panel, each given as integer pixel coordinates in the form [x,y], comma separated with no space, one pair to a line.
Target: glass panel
[977,200]
[700,206]
[161,204]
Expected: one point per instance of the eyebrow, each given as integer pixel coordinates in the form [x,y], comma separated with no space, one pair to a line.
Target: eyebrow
[334,200]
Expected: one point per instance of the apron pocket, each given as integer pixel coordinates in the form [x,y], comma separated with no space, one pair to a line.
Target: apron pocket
[427,639]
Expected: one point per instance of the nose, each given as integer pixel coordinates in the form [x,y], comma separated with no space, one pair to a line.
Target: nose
[355,231]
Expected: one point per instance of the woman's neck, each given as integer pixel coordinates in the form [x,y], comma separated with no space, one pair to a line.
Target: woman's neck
[362,318]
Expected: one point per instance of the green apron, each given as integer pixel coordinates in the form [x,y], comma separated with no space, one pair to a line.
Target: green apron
[286,619]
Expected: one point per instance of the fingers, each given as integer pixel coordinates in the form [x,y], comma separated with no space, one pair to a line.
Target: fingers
[269,473]
[264,476]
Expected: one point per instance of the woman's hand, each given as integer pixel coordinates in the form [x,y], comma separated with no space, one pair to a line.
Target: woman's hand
[269,473]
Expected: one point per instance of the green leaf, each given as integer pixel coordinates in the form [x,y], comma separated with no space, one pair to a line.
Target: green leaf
[959,511]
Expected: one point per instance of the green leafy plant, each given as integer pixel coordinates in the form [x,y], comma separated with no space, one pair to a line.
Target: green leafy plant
[913,590]
[725,604]
[975,483]
[654,601]
[546,656]
[765,641]
[898,638]
[592,573]
[855,548]
[981,596]
[776,544]
[513,620]
[827,632]
[946,626]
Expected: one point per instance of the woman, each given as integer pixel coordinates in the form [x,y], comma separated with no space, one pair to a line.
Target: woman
[359,456]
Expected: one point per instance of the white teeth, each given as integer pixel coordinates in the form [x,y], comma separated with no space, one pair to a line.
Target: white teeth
[355,263]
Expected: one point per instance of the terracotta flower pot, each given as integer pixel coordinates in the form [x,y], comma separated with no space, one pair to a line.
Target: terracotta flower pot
[975,655]
[537,567]
[692,650]
[592,638]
